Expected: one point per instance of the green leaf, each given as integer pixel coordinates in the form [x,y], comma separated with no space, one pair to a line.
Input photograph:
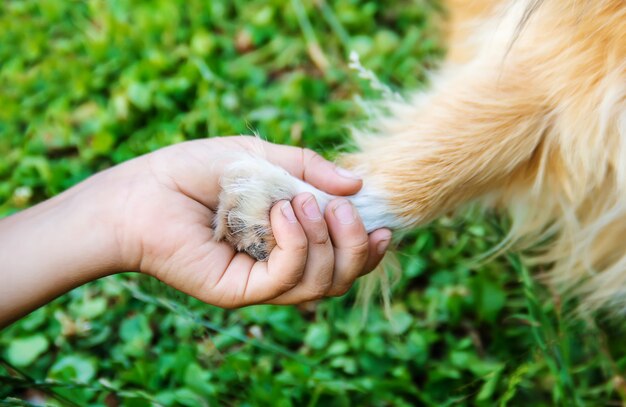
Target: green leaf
[199,380]
[202,43]
[338,348]
[489,387]
[347,364]
[491,299]
[24,351]
[102,143]
[74,367]
[376,345]
[140,95]
[136,334]
[400,320]
[90,308]
[34,320]
[317,336]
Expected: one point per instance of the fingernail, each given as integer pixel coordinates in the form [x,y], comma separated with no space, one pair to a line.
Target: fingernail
[346,174]
[311,209]
[382,246]
[345,213]
[287,212]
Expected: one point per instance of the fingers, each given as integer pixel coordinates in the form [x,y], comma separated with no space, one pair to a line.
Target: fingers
[318,274]
[327,176]
[286,264]
[351,244]
[315,256]
[379,241]
[339,250]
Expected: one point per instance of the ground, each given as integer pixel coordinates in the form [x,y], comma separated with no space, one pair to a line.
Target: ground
[88,84]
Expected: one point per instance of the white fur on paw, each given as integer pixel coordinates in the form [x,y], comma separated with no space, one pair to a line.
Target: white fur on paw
[250,187]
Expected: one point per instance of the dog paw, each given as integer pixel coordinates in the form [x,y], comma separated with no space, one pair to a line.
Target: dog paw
[250,187]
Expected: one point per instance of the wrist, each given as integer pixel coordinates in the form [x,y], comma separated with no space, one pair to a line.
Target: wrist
[53,247]
[83,220]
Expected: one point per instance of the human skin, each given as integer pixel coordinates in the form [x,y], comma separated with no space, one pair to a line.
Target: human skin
[154,215]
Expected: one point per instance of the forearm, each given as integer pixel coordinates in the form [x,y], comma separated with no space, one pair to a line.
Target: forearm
[53,247]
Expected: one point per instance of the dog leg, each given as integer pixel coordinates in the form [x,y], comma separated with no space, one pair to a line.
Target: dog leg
[533,122]
[474,133]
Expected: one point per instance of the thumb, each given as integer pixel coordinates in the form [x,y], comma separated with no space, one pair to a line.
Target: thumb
[326,176]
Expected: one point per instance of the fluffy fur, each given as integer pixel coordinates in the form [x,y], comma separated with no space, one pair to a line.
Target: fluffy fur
[528,113]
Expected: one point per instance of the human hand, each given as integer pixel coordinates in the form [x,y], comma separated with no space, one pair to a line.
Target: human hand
[154,214]
[164,207]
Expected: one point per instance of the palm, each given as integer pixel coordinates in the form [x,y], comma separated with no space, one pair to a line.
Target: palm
[178,236]
[177,247]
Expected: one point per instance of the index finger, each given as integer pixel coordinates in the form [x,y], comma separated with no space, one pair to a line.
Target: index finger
[309,166]
[314,169]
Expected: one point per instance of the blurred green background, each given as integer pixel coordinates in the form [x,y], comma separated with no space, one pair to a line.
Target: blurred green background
[88,84]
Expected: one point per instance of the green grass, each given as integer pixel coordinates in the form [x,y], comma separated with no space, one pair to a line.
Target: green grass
[88,84]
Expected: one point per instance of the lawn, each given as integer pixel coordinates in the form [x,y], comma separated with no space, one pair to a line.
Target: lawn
[85,85]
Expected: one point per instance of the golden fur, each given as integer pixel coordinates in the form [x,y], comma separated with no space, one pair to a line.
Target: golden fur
[528,113]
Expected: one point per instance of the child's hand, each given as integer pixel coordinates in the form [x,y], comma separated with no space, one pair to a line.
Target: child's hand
[166,213]
[154,214]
